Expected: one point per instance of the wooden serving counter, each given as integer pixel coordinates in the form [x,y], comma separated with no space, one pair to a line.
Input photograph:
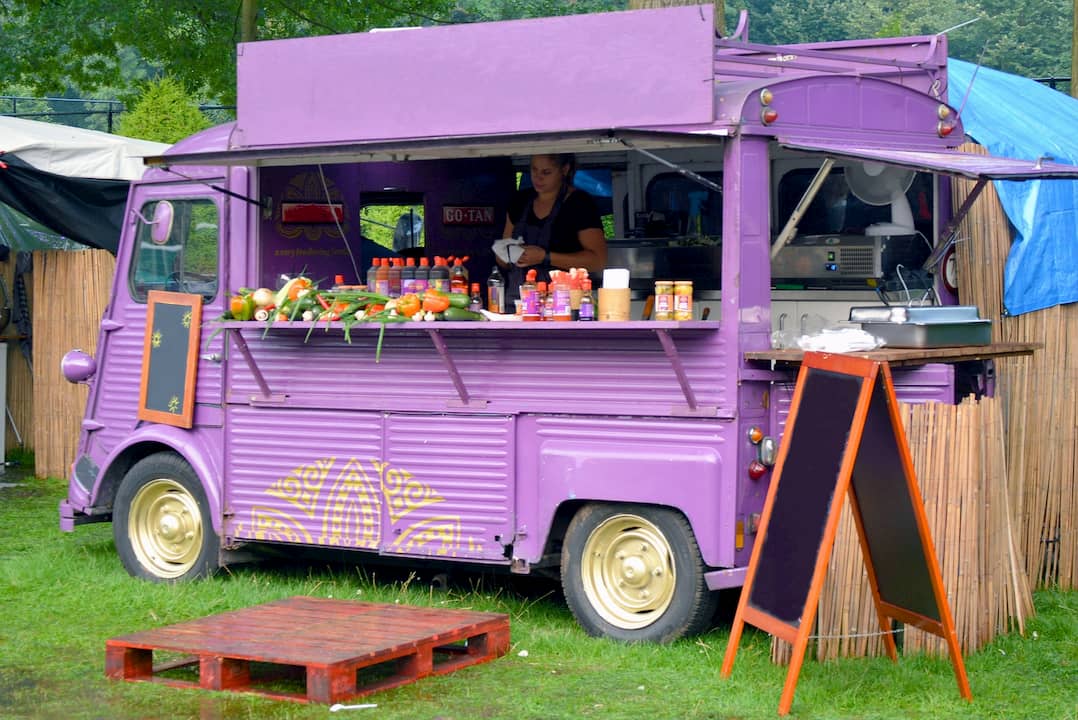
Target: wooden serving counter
[897,357]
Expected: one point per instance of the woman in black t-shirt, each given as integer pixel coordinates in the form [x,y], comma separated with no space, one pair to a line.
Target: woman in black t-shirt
[560,224]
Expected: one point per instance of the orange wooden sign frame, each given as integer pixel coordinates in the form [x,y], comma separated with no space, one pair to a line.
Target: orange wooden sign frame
[877,407]
[189,327]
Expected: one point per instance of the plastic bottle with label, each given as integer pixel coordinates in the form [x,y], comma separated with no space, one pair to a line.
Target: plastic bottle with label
[475,303]
[422,276]
[395,277]
[529,298]
[546,301]
[372,273]
[408,276]
[560,300]
[586,313]
[381,278]
[496,291]
[458,278]
[439,275]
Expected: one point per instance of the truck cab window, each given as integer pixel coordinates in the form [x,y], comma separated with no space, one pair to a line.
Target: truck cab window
[395,224]
[186,260]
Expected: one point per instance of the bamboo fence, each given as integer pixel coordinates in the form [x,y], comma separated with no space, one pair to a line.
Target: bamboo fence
[960,463]
[71,289]
[1039,395]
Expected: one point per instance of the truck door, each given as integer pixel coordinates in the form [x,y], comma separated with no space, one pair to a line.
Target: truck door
[186,260]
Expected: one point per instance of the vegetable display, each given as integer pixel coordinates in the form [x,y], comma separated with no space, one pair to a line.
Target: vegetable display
[300,299]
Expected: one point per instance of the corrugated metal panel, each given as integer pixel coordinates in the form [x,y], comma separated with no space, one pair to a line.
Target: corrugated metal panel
[304,476]
[437,486]
[449,491]
[927,383]
[573,371]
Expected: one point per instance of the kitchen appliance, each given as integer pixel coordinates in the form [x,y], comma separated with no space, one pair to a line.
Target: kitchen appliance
[924,326]
[846,259]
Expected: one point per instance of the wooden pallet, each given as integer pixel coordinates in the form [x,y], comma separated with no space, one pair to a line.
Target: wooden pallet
[338,648]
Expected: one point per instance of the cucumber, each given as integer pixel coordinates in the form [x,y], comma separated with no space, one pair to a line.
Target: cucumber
[457,314]
[459,300]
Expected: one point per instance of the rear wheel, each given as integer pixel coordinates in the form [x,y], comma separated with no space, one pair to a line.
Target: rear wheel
[634,573]
[161,521]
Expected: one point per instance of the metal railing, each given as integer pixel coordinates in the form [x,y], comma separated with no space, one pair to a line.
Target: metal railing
[88,113]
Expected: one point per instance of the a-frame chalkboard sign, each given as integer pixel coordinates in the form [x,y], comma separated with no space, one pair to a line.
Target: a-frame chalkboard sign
[843,437]
[170,358]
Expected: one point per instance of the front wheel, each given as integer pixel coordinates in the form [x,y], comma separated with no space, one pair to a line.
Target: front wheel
[161,522]
[633,572]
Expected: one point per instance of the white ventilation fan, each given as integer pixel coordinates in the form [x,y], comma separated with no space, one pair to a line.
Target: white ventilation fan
[878,184]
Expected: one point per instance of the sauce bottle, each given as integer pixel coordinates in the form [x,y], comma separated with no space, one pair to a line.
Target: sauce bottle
[408,276]
[560,300]
[587,305]
[458,278]
[394,273]
[439,275]
[529,298]
[496,291]
[381,278]
[475,304]
[372,274]
[422,276]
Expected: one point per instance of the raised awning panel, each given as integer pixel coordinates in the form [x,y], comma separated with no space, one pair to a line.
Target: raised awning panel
[949,162]
[622,69]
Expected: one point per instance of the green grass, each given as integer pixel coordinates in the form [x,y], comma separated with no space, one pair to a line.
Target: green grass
[63,595]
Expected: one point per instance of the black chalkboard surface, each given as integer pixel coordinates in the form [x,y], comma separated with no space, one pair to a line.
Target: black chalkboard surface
[799,512]
[170,358]
[843,438]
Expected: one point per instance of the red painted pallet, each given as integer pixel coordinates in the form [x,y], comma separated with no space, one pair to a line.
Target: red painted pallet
[344,649]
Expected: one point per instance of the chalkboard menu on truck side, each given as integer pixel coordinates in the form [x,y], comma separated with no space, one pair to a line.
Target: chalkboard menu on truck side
[170,358]
[844,438]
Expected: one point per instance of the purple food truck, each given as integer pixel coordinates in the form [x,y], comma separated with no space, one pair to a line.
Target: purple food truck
[629,457]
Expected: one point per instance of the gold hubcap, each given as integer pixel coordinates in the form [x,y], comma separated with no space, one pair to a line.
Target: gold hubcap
[628,572]
[165,528]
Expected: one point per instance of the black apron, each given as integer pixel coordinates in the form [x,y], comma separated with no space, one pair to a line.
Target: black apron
[533,235]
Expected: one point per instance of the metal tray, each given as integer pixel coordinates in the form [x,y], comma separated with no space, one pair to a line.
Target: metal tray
[915,314]
[931,335]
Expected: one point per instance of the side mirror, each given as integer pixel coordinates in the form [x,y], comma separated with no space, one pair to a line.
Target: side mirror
[161,225]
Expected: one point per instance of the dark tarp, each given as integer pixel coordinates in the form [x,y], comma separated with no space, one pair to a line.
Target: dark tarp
[85,210]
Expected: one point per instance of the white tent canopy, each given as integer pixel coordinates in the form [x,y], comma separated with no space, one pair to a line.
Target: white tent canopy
[75,152]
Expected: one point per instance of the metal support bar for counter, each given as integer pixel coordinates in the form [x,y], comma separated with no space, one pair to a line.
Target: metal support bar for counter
[454,373]
[245,351]
[679,370]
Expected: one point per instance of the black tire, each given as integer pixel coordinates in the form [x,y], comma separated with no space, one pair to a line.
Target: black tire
[634,573]
[161,522]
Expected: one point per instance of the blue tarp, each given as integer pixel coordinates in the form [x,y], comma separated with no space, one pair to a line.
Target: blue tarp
[1020,118]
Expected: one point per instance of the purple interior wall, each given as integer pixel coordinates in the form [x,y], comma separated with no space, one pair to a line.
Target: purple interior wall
[319,250]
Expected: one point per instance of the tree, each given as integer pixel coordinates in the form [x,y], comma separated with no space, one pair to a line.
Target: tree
[164,112]
[720,11]
[76,42]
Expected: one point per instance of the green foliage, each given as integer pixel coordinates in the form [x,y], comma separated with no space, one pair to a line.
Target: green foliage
[164,112]
[1024,37]
[62,595]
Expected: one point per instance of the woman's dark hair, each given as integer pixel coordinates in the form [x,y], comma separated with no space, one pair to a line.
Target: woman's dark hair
[563,159]
[570,160]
